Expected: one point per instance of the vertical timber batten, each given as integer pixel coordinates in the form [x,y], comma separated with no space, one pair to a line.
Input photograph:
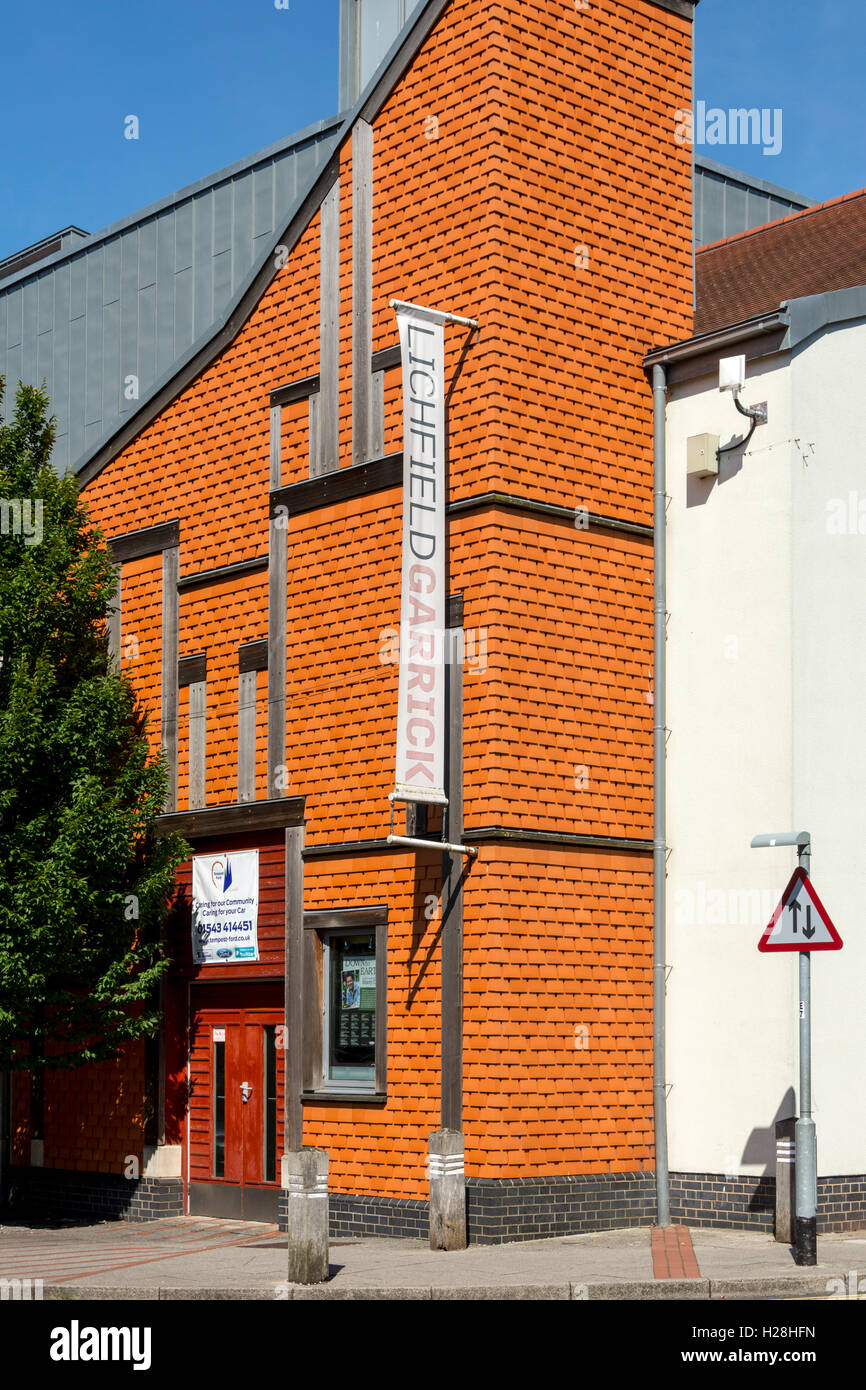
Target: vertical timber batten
[452,904]
[197,745]
[247,691]
[327,456]
[169,702]
[362,292]
[278,560]
[294,919]
[113,625]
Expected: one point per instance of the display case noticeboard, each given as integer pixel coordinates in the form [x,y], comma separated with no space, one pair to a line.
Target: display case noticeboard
[352,1032]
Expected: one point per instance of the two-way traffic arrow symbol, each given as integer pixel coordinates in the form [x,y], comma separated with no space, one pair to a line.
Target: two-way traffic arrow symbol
[783,933]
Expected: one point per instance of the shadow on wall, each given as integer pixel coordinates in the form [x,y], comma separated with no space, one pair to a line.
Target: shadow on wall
[760,1147]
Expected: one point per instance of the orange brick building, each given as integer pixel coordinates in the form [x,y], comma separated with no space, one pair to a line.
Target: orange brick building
[516,164]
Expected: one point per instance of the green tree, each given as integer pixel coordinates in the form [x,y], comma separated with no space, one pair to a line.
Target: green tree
[84,879]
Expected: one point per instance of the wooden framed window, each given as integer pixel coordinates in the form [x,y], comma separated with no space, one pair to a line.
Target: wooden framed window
[345,990]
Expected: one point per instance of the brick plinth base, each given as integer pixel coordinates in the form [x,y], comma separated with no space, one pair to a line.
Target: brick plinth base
[50,1193]
[748,1203]
[497,1210]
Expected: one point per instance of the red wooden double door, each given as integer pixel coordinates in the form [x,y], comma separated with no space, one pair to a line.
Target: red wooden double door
[236,1100]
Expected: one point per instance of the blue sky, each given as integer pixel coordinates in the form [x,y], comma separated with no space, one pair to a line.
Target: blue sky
[215,80]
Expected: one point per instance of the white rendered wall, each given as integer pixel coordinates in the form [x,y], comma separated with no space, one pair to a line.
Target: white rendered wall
[766,697]
[829,694]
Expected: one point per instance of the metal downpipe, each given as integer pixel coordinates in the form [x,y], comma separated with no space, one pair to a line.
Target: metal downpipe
[660,1120]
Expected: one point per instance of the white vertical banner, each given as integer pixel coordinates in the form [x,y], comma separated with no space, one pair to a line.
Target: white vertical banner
[421,708]
[225,907]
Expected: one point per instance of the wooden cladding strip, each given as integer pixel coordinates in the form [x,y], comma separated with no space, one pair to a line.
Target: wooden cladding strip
[113,624]
[327,455]
[380,474]
[299,390]
[684,8]
[339,486]
[253,656]
[198,741]
[386,358]
[362,290]
[492,834]
[247,703]
[222,573]
[234,820]
[346,918]
[149,541]
[169,686]
[192,669]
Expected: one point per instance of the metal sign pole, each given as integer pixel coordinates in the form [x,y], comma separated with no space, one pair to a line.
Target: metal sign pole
[806,1238]
[805,1224]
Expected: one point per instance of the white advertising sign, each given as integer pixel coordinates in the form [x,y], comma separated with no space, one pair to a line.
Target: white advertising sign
[225,908]
[421,709]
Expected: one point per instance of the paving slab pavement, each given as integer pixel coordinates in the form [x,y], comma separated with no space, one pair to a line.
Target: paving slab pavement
[201,1258]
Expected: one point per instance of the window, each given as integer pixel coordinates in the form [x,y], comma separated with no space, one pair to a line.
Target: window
[219,1103]
[269,1092]
[345,1024]
[350,1011]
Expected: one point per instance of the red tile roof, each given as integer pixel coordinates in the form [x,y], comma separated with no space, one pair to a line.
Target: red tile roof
[822,248]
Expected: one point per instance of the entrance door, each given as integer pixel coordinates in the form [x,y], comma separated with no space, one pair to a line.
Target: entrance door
[236,1074]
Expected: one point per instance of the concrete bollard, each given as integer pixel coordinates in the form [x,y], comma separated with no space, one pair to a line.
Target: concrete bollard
[785,1181]
[305,1180]
[447,1191]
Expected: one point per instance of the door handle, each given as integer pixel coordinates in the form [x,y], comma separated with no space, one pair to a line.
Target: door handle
[246,1091]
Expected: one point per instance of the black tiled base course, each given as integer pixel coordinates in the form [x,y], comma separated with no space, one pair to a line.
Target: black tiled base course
[370,1216]
[55,1193]
[498,1210]
[748,1203]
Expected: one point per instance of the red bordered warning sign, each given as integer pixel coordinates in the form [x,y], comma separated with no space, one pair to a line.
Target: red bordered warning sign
[800,922]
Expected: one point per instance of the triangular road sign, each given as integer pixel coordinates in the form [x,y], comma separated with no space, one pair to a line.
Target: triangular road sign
[800,922]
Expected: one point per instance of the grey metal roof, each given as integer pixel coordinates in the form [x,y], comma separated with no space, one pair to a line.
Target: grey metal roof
[728,201]
[131,300]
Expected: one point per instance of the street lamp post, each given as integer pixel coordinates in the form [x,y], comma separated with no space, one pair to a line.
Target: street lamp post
[805,1147]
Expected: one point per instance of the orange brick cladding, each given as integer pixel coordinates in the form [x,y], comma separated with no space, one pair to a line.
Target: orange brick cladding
[526,174]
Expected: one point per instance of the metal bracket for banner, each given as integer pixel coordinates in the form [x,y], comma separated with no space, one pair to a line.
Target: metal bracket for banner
[468,850]
[436,315]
